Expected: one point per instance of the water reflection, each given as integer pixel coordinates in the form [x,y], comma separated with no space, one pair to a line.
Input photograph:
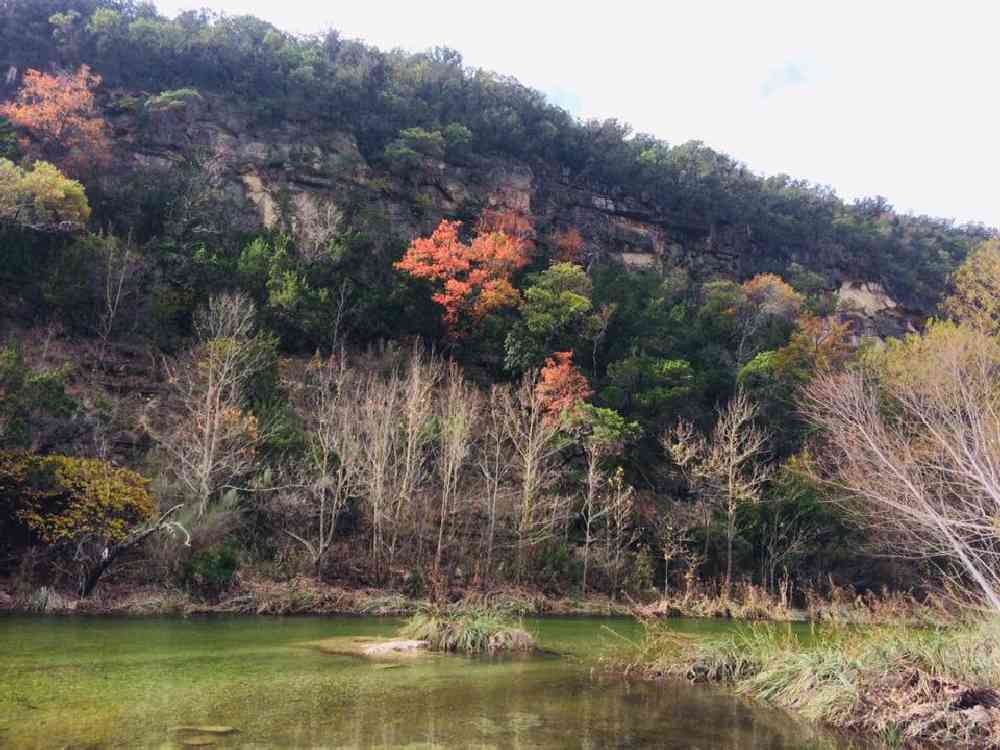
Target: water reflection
[132,683]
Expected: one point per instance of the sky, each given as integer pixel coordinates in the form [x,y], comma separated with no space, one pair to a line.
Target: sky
[882,97]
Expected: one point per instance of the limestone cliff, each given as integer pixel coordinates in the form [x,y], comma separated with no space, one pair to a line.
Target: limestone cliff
[298,176]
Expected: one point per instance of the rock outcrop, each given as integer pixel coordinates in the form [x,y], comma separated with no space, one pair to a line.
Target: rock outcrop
[293,173]
[303,176]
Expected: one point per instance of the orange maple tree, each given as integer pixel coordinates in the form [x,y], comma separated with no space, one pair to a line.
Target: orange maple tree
[561,386]
[826,340]
[569,245]
[61,118]
[769,294]
[474,279]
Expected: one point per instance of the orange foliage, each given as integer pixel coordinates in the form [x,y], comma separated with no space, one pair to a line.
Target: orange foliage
[828,341]
[59,113]
[509,222]
[771,295]
[562,386]
[570,246]
[474,278]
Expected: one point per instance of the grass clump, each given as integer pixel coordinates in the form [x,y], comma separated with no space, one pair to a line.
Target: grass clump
[910,686]
[468,630]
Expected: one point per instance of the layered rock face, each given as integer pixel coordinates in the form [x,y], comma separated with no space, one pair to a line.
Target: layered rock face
[292,171]
[300,176]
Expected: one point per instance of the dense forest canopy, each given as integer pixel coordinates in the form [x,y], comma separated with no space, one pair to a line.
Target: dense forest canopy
[397,102]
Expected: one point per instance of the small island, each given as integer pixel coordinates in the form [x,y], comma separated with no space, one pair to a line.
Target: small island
[469,631]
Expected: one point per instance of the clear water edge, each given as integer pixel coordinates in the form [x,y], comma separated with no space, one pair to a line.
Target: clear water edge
[105,682]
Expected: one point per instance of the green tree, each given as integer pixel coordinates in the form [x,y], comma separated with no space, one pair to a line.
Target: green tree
[33,403]
[975,298]
[775,379]
[557,314]
[40,196]
[651,389]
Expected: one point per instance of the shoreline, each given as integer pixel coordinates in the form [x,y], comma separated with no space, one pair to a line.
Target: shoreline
[257,595]
[297,597]
[895,684]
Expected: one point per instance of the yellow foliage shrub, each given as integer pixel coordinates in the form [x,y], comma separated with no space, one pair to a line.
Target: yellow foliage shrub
[60,499]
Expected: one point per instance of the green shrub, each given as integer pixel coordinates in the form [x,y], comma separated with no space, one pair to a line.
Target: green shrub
[8,140]
[640,579]
[31,398]
[413,583]
[212,570]
[173,101]
[556,563]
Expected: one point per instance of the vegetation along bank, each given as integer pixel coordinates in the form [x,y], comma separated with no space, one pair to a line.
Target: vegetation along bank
[293,324]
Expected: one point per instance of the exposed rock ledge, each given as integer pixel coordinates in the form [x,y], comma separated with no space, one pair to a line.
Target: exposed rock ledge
[373,648]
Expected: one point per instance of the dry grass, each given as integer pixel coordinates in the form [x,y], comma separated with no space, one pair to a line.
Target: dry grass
[934,687]
[835,605]
[468,630]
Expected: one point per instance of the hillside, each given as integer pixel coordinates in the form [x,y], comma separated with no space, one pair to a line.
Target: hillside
[299,284]
[415,137]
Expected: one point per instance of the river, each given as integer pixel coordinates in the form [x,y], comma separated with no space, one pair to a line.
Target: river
[80,682]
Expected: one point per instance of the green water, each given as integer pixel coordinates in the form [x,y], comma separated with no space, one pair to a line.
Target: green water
[83,683]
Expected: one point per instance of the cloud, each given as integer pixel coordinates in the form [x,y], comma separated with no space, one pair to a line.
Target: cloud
[788,75]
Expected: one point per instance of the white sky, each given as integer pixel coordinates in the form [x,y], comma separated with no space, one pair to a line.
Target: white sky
[879,97]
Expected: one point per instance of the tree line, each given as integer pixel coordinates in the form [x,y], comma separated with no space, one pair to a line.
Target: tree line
[493,403]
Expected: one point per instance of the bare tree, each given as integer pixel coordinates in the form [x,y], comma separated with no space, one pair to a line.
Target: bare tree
[331,472]
[918,455]
[317,223]
[593,509]
[602,433]
[787,534]
[119,280]
[395,415]
[674,527]
[536,441]
[620,531]
[728,469]
[378,412]
[495,459]
[458,410]
[208,437]
[423,375]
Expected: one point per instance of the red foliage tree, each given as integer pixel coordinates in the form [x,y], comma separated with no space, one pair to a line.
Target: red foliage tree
[474,279]
[561,386]
[61,119]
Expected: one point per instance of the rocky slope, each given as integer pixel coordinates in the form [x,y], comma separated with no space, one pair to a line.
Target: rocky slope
[299,176]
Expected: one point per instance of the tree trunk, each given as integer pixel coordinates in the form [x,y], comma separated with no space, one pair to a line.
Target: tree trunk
[730,533]
[94,574]
[666,576]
